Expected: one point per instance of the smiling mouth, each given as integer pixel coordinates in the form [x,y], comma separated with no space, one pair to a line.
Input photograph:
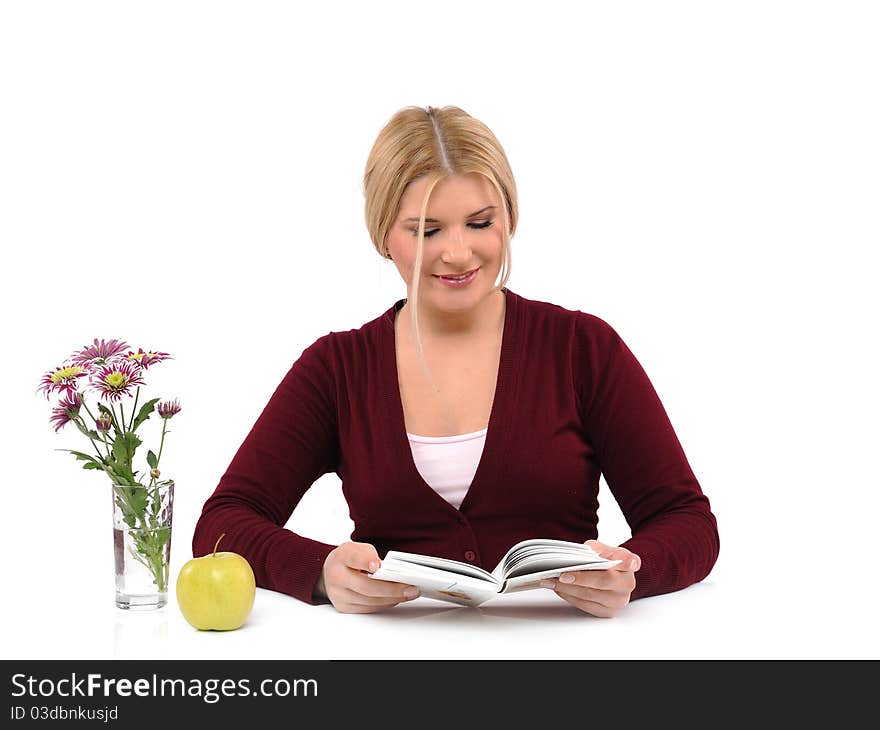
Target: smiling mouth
[455,277]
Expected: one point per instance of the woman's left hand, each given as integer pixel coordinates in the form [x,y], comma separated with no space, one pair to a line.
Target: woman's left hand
[602,593]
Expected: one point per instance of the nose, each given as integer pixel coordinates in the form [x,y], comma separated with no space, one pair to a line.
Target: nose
[457,248]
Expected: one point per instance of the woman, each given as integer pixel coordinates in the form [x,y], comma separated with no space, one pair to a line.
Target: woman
[485,420]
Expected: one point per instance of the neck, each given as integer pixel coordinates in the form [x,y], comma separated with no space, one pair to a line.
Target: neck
[485,318]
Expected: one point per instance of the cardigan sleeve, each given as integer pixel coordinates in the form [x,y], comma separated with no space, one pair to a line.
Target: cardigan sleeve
[673,529]
[293,442]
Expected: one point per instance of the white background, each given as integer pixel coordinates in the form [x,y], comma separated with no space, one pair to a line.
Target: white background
[703,176]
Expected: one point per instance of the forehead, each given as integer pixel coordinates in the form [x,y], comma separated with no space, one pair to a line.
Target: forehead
[456,194]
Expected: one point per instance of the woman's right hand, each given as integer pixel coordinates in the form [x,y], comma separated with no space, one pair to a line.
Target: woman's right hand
[345,581]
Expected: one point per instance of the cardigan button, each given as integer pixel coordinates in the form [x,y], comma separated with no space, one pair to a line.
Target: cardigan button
[470,555]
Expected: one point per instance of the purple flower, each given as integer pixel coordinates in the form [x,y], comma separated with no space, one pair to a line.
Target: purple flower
[145,359]
[67,410]
[62,380]
[167,409]
[103,422]
[101,352]
[116,379]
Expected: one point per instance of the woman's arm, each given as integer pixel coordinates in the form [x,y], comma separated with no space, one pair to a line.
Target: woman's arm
[293,442]
[674,531]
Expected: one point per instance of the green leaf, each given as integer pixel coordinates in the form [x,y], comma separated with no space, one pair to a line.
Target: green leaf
[132,501]
[138,500]
[91,461]
[79,454]
[152,460]
[121,473]
[124,447]
[144,413]
[89,434]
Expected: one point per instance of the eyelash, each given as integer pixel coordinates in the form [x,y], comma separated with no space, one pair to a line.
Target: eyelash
[479,226]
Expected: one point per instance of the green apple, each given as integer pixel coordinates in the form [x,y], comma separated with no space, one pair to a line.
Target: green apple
[216,591]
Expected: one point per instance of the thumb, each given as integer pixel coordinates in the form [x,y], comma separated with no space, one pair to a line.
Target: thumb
[628,559]
[363,556]
[600,547]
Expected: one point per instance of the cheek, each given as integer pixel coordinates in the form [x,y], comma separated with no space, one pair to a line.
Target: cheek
[401,239]
[499,241]
[402,247]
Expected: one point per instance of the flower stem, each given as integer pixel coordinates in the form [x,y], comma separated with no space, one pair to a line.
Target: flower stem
[151,538]
[122,416]
[89,412]
[134,408]
[104,435]
[82,422]
[162,442]
[106,443]
[161,446]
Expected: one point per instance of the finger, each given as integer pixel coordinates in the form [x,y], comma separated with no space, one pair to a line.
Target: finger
[353,598]
[362,556]
[628,559]
[377,588]
[599,547]
[604,579]
[609,599]
[631,562]
[590,607]
[352,608]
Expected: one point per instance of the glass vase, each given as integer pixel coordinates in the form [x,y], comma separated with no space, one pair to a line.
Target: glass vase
[142,543]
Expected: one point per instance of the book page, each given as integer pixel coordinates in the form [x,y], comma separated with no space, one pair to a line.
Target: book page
[450,566]
[522,568]
[442,585]
[532,556]
[531,581]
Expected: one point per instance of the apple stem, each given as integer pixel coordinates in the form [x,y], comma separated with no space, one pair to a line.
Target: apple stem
[217,543]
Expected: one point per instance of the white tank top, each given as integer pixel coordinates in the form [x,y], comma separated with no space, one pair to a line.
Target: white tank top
[448,463]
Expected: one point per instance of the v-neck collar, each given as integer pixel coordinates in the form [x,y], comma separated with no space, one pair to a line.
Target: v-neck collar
[500,416]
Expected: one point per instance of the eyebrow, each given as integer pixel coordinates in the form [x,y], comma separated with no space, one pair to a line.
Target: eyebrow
[434,220]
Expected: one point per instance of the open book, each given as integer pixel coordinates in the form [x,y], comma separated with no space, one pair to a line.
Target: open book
[521,569]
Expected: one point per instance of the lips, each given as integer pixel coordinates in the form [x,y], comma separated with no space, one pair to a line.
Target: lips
[455,276]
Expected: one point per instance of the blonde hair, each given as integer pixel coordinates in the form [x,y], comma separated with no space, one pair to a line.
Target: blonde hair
[434,143]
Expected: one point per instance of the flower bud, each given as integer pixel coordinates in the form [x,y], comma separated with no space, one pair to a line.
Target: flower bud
[154,473]
[167,409]
[103,422]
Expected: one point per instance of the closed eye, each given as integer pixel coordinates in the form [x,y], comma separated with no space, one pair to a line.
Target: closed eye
[479,226]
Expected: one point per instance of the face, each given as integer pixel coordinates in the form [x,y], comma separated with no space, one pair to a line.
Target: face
[463,231]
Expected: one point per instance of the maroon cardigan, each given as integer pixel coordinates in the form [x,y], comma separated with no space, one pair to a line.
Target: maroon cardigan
[571,401]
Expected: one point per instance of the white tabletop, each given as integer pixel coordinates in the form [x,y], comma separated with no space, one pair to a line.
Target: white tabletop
[763,599]
[707,620]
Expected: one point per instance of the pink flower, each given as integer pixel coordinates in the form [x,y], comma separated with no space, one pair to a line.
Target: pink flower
[116,379]
[167,409]
[62,380]
[67,410]
[145,359]
[101,352]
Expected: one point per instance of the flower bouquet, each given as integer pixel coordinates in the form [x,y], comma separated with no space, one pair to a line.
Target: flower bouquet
[142,511]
